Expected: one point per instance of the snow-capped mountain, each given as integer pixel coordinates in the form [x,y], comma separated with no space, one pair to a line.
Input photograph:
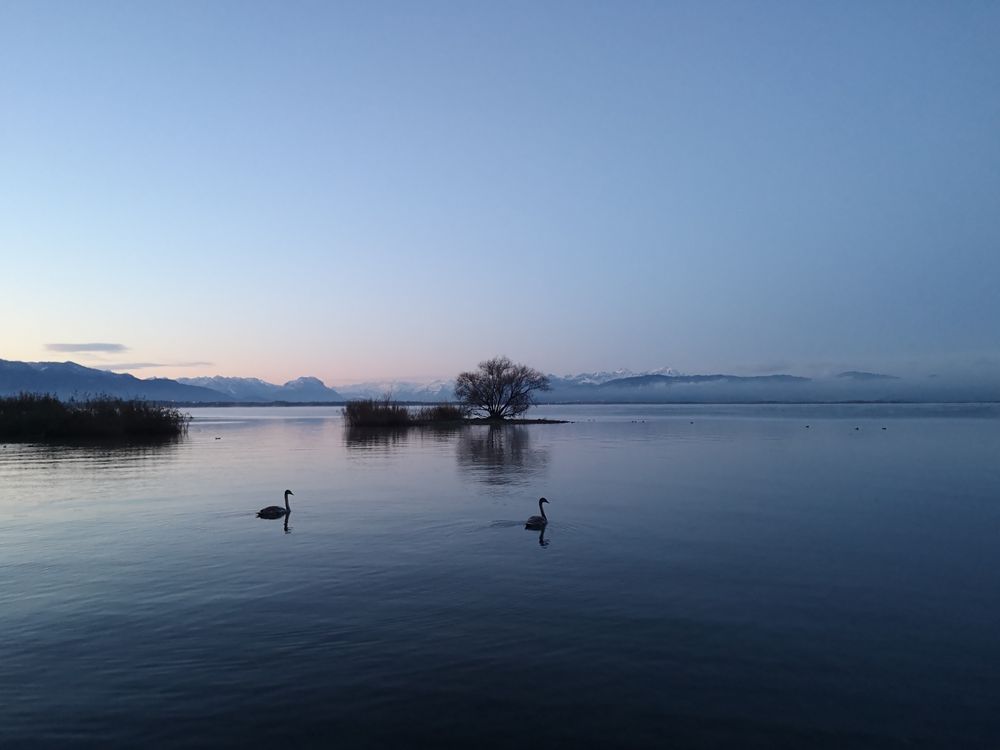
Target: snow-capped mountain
[597,378]
[401,390]
[257,390]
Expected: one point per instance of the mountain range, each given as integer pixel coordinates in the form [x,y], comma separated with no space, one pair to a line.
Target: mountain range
[72,380]
[597,378]
[260,391]
[402,390]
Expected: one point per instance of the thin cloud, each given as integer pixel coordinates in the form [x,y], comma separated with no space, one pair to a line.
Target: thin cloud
[147,365]
[91,347]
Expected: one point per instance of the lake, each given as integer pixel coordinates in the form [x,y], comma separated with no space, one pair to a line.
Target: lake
[710,577]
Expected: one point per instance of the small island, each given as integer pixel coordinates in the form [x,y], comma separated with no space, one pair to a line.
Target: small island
[374,414]
[498,392]
[32,417]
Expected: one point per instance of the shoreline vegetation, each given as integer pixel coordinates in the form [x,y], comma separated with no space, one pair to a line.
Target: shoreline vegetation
[633,402]
[373,413]
[33,417]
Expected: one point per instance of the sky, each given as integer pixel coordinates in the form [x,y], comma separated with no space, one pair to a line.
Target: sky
[399,190]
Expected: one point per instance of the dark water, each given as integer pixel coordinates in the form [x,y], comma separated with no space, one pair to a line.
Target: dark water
[741,581]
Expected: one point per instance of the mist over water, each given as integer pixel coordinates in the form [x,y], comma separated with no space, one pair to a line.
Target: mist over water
[710,575]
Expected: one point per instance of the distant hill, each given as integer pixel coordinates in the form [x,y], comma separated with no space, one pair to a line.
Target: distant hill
[70,380]
[257,390]
[657,388]
[646,381]
[852,385]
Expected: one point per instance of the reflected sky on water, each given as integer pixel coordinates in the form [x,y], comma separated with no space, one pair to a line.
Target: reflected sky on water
[709,575]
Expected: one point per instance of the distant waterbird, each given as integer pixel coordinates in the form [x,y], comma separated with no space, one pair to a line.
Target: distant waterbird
[276,511]
[538,522]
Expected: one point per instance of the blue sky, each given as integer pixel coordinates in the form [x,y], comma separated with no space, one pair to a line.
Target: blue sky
[402,189]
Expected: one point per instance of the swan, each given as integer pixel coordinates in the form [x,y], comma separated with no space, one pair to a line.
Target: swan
[538,522]
[276,511]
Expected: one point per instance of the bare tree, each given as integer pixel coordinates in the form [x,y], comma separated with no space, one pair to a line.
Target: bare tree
[500,388]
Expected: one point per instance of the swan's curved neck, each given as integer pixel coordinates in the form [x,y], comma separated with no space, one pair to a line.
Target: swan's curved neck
[541,508]
[286,503]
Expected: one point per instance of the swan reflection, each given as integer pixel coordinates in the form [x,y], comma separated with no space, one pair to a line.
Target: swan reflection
[542,541]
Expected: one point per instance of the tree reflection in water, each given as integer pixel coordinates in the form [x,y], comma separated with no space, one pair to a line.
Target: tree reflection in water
[388,439]
[501,454]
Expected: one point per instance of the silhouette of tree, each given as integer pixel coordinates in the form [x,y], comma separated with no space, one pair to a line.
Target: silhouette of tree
[499,388]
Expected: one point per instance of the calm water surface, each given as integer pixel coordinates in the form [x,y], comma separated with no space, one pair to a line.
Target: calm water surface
[711,577]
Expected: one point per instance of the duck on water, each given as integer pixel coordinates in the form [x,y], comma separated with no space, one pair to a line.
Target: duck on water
[276,511]
[538,522]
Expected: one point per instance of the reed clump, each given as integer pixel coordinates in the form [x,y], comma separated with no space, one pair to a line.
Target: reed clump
[442,413]
[384,412]
[43,417]
[371,412]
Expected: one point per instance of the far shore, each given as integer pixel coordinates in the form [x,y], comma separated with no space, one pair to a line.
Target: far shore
[278,404]
[484,420]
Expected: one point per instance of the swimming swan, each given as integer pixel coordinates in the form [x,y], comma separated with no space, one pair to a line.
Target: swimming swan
[538,522]
[276,511]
